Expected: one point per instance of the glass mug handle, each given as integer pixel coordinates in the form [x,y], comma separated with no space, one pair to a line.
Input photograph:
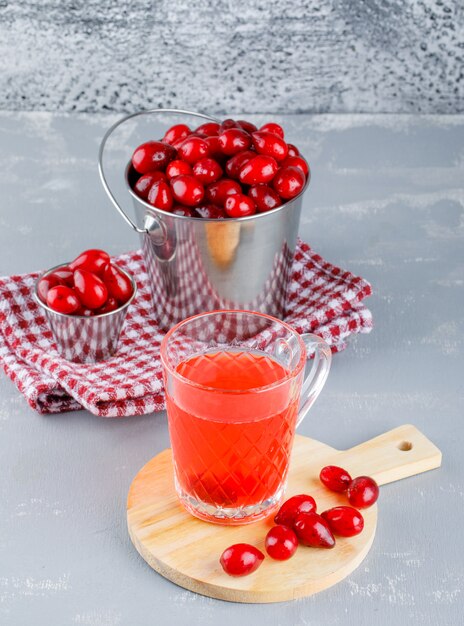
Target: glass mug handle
[315,380]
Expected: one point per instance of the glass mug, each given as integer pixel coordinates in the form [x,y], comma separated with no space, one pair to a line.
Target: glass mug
[235,394]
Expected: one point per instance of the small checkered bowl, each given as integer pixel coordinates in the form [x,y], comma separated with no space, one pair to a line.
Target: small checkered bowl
[82,339]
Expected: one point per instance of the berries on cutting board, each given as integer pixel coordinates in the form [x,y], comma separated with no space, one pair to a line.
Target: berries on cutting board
[281,543]
[241,559]
[344,521]
[335,478]
[297,522]
[294,506]
[362,492]
[313,530]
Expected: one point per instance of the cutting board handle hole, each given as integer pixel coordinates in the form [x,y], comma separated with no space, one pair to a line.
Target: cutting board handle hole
[405,446]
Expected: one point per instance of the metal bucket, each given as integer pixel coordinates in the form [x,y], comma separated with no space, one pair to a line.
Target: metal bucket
[84,339]
[196,265]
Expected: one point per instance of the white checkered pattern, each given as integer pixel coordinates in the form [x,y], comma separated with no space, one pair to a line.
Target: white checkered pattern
[323,299]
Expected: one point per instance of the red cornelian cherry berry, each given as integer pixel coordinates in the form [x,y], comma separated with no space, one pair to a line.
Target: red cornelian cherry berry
[335,478]
[234,164]
[288,182]
[65,275]
[176,168]
[187,190]
[313,530]
[264,197]
[292,150]
[241,559]
[217,192]
[160,196]
[363,492]
[193,149]
[63,299]
[249,127]
[91,290]
[176,133]
[272,127]
[61,276]
[260,169]
[297,161]
[185,211]
[281,543]
[239,205]
[210,212]
[214,147]
[178,143]
[344,521]
[301,503]
[207,171]
[228,123]
[151,156]
[270,145]
[234,140]
[83,312]
[118,285]
[110,305]
[45,284]
[145,182]
[208,130]
[93,260]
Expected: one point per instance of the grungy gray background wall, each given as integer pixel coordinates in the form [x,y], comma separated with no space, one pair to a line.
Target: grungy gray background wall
[227,56]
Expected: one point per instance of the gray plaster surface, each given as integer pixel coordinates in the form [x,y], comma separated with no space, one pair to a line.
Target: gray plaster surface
[227,56]
[386,201]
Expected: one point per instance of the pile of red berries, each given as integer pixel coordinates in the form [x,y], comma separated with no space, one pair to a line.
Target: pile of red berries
[219,170]
[90,285]
[298,522]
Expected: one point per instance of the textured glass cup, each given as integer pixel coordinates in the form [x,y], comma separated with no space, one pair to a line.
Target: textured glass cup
[235,394]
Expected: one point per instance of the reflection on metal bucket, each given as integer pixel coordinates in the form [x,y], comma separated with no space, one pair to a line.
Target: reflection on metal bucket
[206,265]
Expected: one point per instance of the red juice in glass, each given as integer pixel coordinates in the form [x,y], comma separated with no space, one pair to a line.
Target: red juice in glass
[233,382]
[232,450]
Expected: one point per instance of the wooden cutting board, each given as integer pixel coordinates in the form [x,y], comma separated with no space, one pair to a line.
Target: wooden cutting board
[186,550]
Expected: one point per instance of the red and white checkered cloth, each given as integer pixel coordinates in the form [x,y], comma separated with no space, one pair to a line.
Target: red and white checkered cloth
[323,299]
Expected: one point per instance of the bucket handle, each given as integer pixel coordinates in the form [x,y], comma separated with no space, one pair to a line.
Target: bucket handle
[152,224]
